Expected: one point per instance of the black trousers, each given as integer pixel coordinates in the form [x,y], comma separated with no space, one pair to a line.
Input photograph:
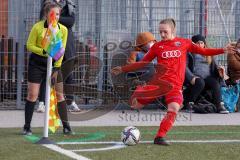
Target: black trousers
[210,83]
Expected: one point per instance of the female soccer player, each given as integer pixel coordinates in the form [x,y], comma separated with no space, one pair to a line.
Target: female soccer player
[37,69]
[171,53]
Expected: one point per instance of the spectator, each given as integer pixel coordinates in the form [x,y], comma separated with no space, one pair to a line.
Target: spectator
[202,73]
[234,64]
[143,43]
[67,18]
[93,67]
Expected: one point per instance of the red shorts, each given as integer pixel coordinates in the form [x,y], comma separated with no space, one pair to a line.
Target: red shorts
[175,95]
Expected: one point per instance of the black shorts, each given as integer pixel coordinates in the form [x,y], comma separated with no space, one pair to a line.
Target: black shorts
[37,69]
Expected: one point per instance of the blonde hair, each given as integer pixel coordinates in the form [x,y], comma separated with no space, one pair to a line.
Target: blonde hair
[48,6]
[169,21]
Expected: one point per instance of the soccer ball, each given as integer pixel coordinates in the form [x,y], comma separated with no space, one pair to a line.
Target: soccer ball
[130,136]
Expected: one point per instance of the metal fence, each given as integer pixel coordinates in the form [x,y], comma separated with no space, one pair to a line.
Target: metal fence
[104,31]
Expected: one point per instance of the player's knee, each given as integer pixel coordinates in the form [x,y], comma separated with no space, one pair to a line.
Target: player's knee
[173,107]
[60,97]
[32,97]
[173,110]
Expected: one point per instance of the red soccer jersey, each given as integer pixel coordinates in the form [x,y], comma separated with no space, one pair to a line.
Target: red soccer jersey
[172,54]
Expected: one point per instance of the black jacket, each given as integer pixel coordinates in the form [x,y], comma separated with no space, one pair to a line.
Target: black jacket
[68,20]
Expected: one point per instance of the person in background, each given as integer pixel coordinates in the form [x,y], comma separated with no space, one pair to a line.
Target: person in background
[202,73]
[37,69]
[233,62]
[144,41]
[67,18]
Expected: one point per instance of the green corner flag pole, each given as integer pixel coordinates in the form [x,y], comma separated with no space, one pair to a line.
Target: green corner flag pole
[44,139]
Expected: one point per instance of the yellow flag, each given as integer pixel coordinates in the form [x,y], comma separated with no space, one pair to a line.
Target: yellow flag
[54,120]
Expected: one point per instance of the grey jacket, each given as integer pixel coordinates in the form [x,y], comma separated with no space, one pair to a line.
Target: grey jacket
[190,68]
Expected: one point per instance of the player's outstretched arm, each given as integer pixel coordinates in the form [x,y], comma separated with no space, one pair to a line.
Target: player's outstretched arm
[229,48]
[135,66]
[129,68]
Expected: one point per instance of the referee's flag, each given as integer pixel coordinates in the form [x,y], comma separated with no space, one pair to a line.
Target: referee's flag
[54,120]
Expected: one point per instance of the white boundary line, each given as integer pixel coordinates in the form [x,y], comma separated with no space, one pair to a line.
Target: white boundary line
[116,146]
[100,142]
[206,141]
[65,152]
[146,142]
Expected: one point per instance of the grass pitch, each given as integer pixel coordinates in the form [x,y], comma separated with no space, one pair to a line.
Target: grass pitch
[15,146]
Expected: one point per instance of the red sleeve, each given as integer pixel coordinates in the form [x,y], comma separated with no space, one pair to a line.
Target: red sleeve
[138,65]
[204,51]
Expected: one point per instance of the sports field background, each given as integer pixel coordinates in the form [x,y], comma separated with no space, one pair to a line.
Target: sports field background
[109,23]
[15,146]
[203,137]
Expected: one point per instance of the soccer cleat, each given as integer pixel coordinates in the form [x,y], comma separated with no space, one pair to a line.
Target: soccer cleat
[27,131]
[41,107]
[74,107]
[161,141]
[67,129]
[221,109]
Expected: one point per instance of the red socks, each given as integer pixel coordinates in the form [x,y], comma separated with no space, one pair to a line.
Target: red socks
[166,124]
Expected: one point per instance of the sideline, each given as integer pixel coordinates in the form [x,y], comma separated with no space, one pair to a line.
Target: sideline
[119,145]
[149,142]
[65,152]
